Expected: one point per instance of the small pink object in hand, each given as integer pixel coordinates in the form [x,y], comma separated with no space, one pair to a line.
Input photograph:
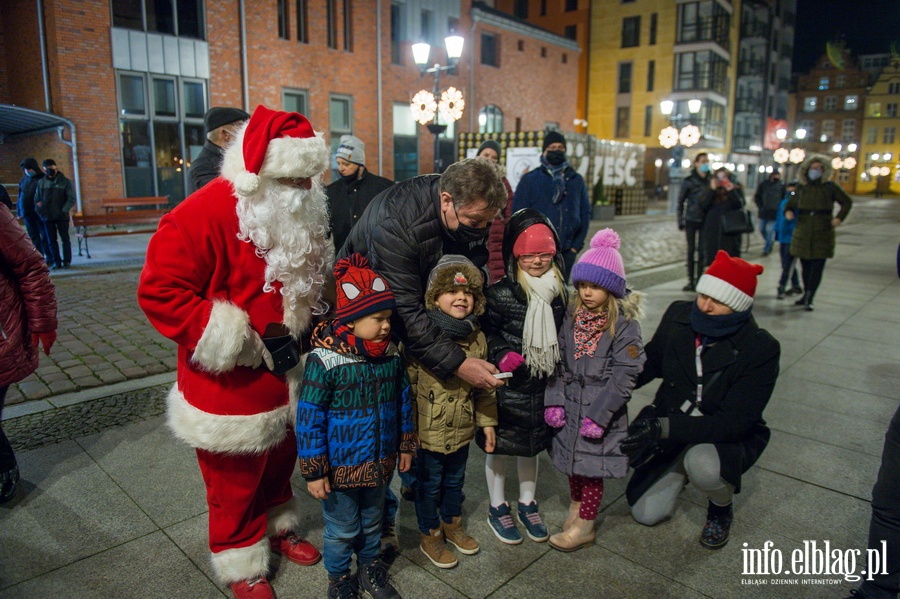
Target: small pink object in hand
[555,416]
[590,429]
[510,361]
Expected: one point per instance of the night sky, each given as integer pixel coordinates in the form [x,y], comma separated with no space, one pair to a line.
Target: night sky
[868,26]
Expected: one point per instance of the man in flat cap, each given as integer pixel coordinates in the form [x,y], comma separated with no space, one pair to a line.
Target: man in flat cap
[221,125]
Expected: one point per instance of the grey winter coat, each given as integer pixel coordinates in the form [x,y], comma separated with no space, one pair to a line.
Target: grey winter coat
[597,388]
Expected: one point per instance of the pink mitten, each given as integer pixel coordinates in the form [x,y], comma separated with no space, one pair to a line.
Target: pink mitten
[510,361]
[590,429]
[555,416]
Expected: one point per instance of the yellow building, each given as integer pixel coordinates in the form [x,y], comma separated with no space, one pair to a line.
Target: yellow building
[880,146]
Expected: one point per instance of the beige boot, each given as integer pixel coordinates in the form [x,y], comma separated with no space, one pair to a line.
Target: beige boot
[457,536]
[434,547]
[580,534]
[574,508]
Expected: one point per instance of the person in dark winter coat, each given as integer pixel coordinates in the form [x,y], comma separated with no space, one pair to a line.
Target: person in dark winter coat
[25,207]
[5,199]
[813,208]
[490,150]
[768,196]
[404,232]
[602,354]
[690,216]
[28,319]
[53,199]
[349,195]
[718,370]
[558,192]
[784,232]
[525,310]
[724,195]
[222,124]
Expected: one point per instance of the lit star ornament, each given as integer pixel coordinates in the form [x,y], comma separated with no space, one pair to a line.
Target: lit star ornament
[423,107]
[780,155]
[452,104]
[797,155]
[668,137]
[689,136]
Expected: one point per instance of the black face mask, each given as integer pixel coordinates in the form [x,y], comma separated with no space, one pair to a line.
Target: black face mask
[51,172]
[467,234]
[556,157]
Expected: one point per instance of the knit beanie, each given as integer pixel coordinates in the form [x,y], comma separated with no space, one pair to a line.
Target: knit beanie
[536,239]
[352,149]
[731,281]
[489,143]
[360,290]
[602,264]
[552,137]
[450,273]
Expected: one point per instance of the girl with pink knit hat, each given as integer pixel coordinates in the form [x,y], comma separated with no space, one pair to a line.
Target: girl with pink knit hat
[586,402]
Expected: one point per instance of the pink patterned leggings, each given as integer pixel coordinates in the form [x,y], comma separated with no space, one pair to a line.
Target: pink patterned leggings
[589,491]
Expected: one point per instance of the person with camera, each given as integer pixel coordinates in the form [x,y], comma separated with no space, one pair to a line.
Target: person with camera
[705,425]
[724,196]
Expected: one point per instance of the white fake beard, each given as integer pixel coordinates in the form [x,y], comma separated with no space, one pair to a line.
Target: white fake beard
[288,226]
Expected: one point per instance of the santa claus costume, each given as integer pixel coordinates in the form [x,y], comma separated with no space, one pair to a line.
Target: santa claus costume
[247,250]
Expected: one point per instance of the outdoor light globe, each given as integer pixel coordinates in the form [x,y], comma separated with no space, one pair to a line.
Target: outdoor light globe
[685,163]
[800,134]
[876,156]
[837,147]
[454,46]
[420,53]
[666,107]
[658,162]
[694,106]
[851,147]
[781,134]
[887,156]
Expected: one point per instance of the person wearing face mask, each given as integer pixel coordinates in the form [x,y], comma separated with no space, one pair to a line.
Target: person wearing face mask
[53,199]
[221,124]
[25,207]
[559,193]
[813,208]
[404,232]
[723,194]
[690,215]
[767,197]
[349,195]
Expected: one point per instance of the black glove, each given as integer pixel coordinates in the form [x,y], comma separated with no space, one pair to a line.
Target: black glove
[681,225]
[642,440]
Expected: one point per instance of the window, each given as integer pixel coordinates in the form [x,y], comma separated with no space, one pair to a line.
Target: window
[571,5]
[823,83]
[490,119]
[809,104]
[551,126]
[571,32]
[397,28]
[331,24]
[340,120]
[874,109]
[889,135]
[851,102]
[283,24]
[894,87]
[827,129]
[543,8]
[406,143]
[830,103]
[848,129]
[624,78]
[426,30]
[295,100]
[348,27]
[809,126]
[520,45]
[623,114]
[543,52]
[648,120]
[701,71]
[840,80]
[521,9]
[174,17]
[631,32]
[302,22]
[704,21]
[653,26]
[490,51]
[651,74]
[871,135]
[565,58]
[890,109]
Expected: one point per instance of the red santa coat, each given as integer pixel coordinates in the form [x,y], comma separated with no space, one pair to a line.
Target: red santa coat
[202,287]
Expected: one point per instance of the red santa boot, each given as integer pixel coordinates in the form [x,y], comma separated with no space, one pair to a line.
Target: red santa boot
[295,548]
[252,588]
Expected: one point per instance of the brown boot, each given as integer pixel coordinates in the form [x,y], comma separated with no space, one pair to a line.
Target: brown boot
[580,534]
[434,547]
[574,508]
[457,536]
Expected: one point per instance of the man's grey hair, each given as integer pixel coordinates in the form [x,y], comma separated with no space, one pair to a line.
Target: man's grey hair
[473,180]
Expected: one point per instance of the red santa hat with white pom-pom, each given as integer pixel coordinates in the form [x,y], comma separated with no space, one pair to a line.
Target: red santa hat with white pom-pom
[274,144]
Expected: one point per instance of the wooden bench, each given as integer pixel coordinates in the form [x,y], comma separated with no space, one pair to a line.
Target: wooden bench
[122,216]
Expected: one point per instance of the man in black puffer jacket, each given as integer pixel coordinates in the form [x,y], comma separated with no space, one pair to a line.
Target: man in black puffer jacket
[54,198]
[690,216]
[404,232]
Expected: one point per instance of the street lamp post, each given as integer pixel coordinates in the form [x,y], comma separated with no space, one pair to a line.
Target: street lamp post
[677,140]
[425,106]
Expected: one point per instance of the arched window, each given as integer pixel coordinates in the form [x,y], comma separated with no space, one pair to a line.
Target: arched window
[490,119]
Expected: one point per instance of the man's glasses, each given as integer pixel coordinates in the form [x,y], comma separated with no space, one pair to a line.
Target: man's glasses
[529,258]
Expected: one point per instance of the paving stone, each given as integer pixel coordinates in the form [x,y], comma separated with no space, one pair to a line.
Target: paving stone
[54,377]
[78,371]
[72,363]
[34,389]
[63,386]
[88,381]
[134,372]
[111,376]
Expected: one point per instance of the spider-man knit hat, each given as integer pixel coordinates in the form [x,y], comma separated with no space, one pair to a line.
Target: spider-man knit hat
[360,290]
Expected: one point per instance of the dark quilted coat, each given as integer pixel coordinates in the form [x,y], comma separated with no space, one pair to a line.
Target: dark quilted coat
[520,403]
[27,300]
[813,207]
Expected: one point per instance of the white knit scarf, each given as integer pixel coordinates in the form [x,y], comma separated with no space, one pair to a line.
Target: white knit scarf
[540,345]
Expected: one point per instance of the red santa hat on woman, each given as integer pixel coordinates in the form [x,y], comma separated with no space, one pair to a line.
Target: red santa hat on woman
[731,281]
[274,144]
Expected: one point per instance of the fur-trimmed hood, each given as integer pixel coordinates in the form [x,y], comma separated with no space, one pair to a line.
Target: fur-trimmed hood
[444,277]
[518,222]
[804,167]
[633,305]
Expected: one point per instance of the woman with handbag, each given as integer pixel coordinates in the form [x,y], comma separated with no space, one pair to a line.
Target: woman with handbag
[723,224]
[705,425]
[812,207]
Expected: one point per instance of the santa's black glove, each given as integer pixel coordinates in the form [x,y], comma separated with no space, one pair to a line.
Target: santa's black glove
[643,435]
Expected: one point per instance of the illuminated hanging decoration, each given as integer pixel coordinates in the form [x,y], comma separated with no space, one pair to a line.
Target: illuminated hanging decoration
[837,164]
[849,162]
[423,107]
[780,155]
[452,104]
[668,137]
[689,136]
[797,155]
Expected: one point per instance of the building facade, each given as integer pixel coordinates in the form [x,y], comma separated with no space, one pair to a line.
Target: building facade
[880,145]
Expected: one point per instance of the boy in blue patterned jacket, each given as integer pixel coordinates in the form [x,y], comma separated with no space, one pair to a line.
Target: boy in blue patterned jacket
[354,423]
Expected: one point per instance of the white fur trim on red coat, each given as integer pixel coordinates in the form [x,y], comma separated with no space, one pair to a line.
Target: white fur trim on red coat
[253,434]
[233,565]
[283,518]
[227,329]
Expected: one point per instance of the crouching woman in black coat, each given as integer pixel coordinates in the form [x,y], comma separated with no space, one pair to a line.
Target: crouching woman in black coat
[718,370]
